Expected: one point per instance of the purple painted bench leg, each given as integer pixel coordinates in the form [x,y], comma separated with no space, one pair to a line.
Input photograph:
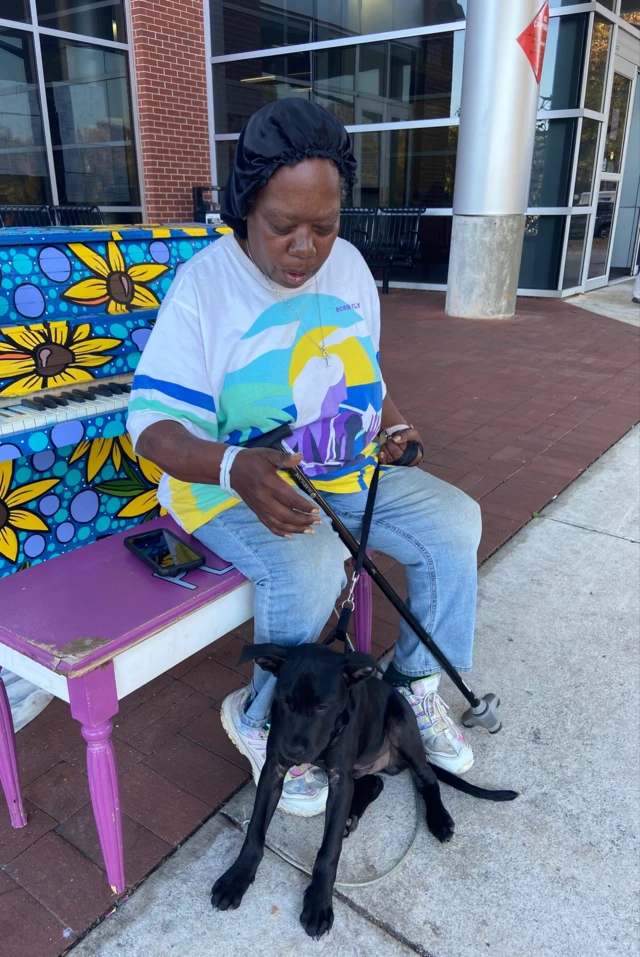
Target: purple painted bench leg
[94,701]
[9,776]
[362,614]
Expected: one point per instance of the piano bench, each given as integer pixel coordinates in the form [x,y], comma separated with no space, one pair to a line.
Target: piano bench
[95,624]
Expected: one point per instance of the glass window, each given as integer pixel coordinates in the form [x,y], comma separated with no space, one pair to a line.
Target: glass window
[90,116]
[575,251]
[597,67]
[541,252]
[630,11]
[123,219]
[602,228]
[413,79]
[346,18]
[551,166]
[224,161]
[587,153]
[405,167]
[562,68]
[24,176]
[16,10]
[432,262]
[242,87]
[91,18]
[238,26]
[617,123]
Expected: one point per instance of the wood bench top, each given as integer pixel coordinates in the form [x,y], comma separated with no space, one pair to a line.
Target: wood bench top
[95,602]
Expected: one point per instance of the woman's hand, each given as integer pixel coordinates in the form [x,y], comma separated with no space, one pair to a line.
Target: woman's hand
[254,476]
[395,447]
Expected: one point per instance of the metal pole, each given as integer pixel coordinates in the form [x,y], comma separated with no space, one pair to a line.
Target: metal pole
[504,48]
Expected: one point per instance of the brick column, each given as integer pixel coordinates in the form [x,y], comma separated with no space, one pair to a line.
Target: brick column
[169,54]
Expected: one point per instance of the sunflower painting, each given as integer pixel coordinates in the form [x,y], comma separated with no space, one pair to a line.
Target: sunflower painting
[50,354]
[100,450]
[120,286]
[13,518]
[140,487]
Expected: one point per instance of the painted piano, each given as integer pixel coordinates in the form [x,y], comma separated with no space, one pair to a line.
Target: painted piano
[77,306]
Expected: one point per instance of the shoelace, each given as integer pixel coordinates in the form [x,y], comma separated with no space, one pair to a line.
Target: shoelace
[435,710]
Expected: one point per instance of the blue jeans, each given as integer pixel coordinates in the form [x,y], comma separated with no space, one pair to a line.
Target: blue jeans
[429,526]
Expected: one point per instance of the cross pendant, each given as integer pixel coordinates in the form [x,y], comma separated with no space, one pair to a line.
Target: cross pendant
[326,356]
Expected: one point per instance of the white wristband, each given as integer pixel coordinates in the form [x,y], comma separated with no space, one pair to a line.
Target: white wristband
[225,468]
[397,428]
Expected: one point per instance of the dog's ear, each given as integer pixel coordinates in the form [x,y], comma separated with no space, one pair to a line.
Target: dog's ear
[269,656]
[357,667]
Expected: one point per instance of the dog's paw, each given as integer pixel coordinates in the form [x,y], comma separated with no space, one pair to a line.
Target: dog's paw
[352,825]
[317,914]
[440,823]
[228,890]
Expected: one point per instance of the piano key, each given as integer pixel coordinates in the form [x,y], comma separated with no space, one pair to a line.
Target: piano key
[103,390]
[78,399]
[33,404]
[48,401]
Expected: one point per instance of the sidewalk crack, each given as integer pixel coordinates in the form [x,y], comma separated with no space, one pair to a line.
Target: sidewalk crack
[586,528]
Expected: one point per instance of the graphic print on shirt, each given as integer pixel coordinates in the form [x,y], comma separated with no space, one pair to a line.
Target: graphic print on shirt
[333,407]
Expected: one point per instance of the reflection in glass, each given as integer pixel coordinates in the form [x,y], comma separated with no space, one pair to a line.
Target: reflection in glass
[405,167]
[345,18]
[91,18]
[24,175]
[541,252]
[243,86]
[225,152]
[395,81]
[630,11]
[562,67]
[617,123]
[597,66]
[15,10]
[432,262]
[238,27]
[90,117]
[602,228]
[551,165]
[587,153]
[575,251]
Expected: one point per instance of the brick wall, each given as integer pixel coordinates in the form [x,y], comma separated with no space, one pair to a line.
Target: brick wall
[168,44]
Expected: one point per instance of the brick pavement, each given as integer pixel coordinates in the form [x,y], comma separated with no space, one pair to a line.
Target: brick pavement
[511,411]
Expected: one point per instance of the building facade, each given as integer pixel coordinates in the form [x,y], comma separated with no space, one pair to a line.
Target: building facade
[130,103]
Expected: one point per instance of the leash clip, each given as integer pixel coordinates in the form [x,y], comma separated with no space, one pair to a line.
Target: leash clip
[349,602]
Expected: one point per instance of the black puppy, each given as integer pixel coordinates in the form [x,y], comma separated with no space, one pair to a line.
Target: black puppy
[327,713]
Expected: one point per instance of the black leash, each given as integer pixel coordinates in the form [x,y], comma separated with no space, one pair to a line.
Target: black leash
[340,631]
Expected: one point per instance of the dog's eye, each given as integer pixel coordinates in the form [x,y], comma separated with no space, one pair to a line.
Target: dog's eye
[322,707]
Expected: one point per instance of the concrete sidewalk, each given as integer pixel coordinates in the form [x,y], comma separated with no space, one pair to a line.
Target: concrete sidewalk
[556,872]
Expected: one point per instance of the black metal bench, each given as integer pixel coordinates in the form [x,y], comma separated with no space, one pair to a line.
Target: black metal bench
[64,215]
[25,216]
[70,215]
[386,237]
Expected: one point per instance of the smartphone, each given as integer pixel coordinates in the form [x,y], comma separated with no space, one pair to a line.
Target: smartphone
[163,551]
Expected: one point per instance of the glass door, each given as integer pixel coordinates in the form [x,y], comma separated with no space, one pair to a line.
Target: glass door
[609,181]
[625,241]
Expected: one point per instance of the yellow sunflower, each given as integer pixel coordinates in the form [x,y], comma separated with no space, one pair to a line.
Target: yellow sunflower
[114,282]
[145,504]
[100,450]
[50,354]
[14,519]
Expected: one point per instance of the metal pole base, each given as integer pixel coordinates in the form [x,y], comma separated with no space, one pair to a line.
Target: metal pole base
[485,715]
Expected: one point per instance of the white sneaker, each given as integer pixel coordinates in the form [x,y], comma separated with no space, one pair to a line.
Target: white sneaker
[444,743]
[305,788]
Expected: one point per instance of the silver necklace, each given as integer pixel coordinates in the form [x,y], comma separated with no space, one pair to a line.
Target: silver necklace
[321,348]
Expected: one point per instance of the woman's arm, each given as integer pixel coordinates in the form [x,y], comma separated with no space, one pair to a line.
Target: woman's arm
[394,448]
[254,474]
